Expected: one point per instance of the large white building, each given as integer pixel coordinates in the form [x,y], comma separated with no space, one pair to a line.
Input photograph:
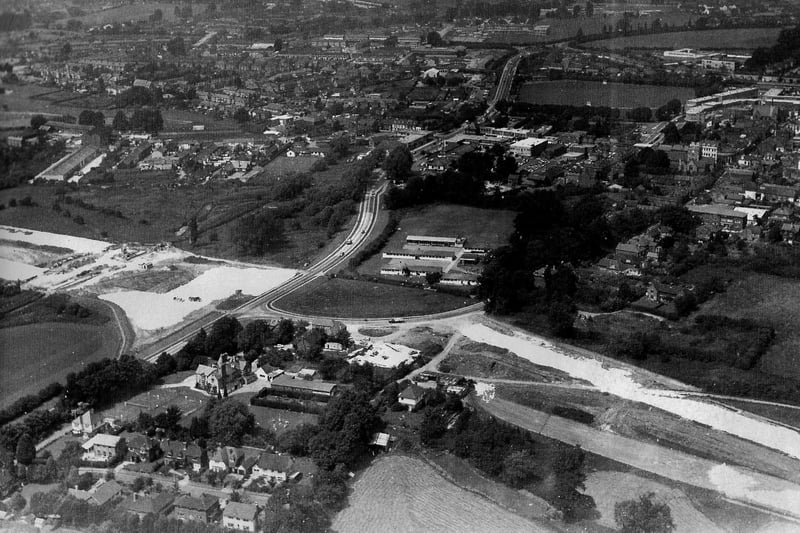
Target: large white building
[529,147]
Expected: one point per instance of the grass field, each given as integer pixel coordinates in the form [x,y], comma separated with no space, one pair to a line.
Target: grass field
[403,494]
[339,297]
[125,13]
[155,401]
[481,227]
[34,355]
[610,488]
[618,95]
[733,39]
[771,300]
[279,420]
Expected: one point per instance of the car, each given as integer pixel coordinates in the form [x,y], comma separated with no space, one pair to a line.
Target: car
[349,241]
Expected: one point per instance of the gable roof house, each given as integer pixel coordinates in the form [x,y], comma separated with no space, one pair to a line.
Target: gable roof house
[224,459]
[87,423]
[160,504]
[411,396]
[101,448]
[204,509]
[273,466]
[240,516]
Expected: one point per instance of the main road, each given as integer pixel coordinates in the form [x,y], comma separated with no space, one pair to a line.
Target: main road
[264,302]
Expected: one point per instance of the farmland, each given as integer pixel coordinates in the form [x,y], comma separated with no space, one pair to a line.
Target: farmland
[738,39]
[404,494]
[50,351]
[338,297]
[617,95]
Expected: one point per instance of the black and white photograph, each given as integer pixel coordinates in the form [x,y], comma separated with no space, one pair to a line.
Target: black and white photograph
[399,266]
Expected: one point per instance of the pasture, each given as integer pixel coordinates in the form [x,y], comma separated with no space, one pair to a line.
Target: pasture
[343,298]
[402,494]
[34,355]
[596,93]
[738,39]
[280,420]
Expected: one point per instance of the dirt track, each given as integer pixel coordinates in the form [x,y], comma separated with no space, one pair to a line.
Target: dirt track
[737,483]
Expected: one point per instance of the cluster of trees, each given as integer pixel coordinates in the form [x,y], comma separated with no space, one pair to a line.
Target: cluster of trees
[92,118]
[10,21]
[30,402]
[18,164]
[669,110]
[554,471]
[786,47]
[258,234]
[737,343]
[552,230]
[107,381]
[643,516]
[646,160]
[597,121]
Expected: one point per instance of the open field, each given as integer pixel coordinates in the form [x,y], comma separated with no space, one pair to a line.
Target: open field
[772,300]
[734,39]
[34,355]
[279,420]
[404,494]
[610,488]
[618,95]
[155,401]
[125,13]
[283,165]
[481,227]
[338,297]
[475,359]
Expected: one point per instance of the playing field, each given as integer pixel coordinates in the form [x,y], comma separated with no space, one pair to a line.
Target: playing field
[155,401]
[738,39]
[34,355]
[403,494]
[345,298]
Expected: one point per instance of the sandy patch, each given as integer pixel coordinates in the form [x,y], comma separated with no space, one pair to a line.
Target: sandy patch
[13,270]
[150,311]
[384,355]
[620,382]
[77,244]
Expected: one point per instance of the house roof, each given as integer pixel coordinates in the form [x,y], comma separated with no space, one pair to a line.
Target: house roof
[106,492]
[203,503]
[149,504]
[204,370]
[242,511]
[275,462]
[101,439]
[311,386]
[413,392]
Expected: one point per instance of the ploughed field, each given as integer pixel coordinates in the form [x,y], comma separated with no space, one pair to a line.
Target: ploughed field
[400,494]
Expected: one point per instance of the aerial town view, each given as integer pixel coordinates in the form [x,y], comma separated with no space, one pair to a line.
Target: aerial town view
[497,266]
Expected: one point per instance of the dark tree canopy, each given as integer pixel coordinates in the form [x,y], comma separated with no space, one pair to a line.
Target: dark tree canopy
[643,516]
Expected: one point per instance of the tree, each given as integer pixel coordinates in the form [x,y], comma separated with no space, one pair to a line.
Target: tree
[340,145]
[26,450]
[92,118]
[229,421]
[671,134]
[176,46]
[561,318]
[37,121]
[241,115]
[120,122]
[157,16]
[398,163]
[589,9]
[223,336]
[519,468]
[640,114]
[643,516]
[432,278]
[258,234]
[66,50]
[433,38]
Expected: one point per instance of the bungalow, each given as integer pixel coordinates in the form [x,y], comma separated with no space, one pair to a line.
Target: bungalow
[273,466]
[102,448]
[411,396]
[318,390]
[267,372]
[204,509]
[102,493]
[240,516]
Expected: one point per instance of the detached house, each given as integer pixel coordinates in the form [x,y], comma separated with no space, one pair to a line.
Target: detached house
[102,448]
[275,467]
[224,375]
[411,396]
[86,424]
[224,459]
[240,516]
[204,509]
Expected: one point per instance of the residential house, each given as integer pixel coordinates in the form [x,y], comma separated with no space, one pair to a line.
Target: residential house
[277,468]
[161,504]
[86,424]
[789,232]
[141,448]
[100,494]
[240,516]
[193,457]
[102,448]
[204,509]
[224,459]
[720,217]
[411,396]
[267,372]
[661,293]
[224,375]
[246,466]
[630,254]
